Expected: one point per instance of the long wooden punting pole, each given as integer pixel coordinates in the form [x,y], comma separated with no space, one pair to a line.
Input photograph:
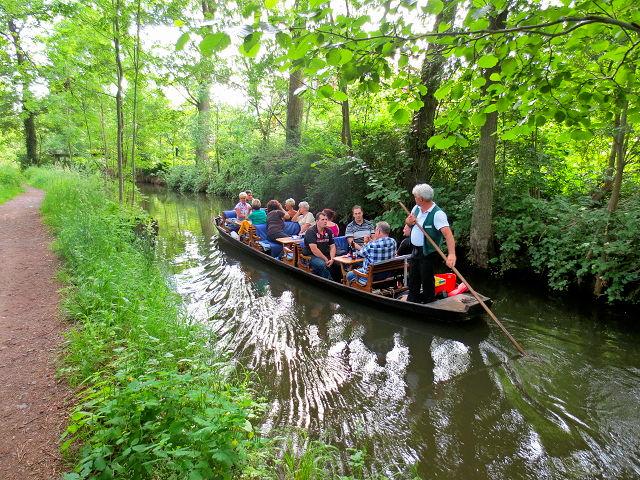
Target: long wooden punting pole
[473,292]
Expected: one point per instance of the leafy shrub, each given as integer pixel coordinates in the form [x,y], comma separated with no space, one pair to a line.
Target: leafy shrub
[10,182]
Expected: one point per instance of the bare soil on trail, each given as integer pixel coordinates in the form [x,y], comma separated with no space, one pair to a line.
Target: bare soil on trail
[34,403]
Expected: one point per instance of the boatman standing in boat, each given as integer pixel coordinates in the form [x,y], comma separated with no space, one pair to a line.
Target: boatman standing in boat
[435,223]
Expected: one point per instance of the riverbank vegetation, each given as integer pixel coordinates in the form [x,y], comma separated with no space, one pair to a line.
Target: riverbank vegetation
[156,400]
[522,116]
[10,182]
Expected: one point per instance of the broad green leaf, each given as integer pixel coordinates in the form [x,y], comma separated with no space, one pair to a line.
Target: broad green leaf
[178,23]
[340,96]
[299,51]
[399,82]
[540,120]
[270,3]
[316,3]
[401,115]
[182,41]
[463,142]
[317,63]
[581,135]
[446,142]
[326,91]
[214,42]
[443,91]
[559,116]
[334,56]
[495,77]
[345,56]
[415,105]
[422,89]
[487,61]
[479,82]
[283,39]
[434,7]
[478,119]
[509,66]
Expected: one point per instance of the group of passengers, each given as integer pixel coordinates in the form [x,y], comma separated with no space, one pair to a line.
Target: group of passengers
[371,243]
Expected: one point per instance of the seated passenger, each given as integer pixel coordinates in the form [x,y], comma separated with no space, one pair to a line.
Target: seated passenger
[405,247]
[249,196]
[381,248]
[257,215]
[359,231]
[275,220]
[330,225]
[290,207]
[242,208]
[318,242]
[304,217]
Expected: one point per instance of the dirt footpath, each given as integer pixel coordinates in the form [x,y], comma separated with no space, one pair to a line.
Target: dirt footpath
[33,402]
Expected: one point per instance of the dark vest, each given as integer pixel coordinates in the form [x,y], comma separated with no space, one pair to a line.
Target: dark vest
[435,235]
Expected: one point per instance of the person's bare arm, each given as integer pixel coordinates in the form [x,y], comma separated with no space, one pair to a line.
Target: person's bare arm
[451,246]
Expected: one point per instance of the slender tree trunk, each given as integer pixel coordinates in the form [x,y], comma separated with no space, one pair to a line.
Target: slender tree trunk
[620,143]
[346,123]
[69,150]
[621,153]
[29,122]
[119,114]
[422,127]
[295,107]
[482,216]
[203,137]
[86,124]
[134,120]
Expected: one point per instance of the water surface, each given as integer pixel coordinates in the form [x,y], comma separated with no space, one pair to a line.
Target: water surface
[443,401]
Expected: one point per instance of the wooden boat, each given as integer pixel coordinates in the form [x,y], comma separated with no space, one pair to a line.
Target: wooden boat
[459,308]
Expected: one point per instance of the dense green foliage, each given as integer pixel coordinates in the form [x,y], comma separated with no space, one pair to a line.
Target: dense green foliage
[157,401]
[509,108]
[10,182]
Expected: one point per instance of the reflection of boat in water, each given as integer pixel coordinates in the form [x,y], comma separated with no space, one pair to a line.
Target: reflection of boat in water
[458,308]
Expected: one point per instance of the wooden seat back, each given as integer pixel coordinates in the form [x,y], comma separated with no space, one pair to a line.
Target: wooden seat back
[396,268]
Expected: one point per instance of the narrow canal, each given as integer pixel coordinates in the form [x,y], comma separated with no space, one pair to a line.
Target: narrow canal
[445,402]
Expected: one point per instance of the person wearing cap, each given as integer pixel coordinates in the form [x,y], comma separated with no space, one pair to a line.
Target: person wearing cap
[435,223]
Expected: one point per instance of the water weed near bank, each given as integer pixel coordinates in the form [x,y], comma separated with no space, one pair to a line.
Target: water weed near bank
[156,400]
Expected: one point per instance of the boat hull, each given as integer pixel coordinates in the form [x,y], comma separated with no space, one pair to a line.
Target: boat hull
[457,309]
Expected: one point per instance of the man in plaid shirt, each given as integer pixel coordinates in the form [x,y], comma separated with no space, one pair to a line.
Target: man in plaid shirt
[381,248]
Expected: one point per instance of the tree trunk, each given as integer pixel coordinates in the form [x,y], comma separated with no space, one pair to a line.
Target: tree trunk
[134,120]
[29,122]
[295,108]
[346,124]
[119,114]
[422,127]
[482,216]
[621,144]
[203,136]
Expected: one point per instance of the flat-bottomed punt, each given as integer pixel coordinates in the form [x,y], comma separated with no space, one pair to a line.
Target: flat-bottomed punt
[459,308]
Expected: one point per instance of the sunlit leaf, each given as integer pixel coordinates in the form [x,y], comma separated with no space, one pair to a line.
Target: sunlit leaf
[434,7]
[270,3]
[214,42]
[182,41]
[326,91]
[402,115]
[487,61]
[478,119]
[340,96]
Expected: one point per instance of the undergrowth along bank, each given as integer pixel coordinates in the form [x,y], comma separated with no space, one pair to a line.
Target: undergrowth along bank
[10,182]
[156,400]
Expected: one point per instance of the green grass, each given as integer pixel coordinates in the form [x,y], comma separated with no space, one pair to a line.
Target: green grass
[10,182]
[155,400]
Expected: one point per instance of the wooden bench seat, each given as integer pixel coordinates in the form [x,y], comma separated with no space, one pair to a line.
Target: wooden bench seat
[396,270]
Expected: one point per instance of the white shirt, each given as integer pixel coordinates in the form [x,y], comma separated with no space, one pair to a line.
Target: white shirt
[439,222]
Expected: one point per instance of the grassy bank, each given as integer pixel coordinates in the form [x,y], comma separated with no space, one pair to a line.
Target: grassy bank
[10,182]
[156,401]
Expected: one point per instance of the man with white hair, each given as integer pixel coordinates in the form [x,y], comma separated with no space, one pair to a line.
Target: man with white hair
[434,221]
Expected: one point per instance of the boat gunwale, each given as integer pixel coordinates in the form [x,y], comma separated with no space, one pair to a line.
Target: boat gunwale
[435,314]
